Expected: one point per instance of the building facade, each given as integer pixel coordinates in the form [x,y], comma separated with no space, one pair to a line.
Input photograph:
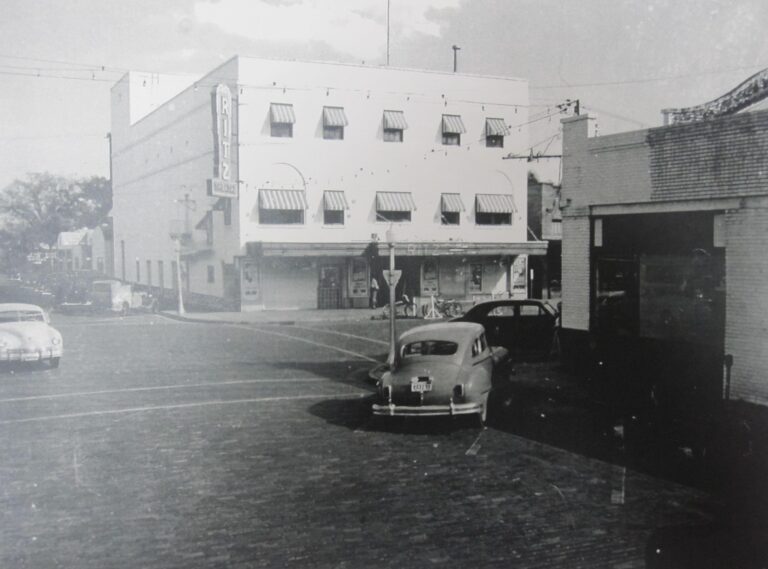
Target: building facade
[271,184]
[545,223]
[664,239]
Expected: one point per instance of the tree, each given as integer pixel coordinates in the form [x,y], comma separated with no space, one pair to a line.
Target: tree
[34,211]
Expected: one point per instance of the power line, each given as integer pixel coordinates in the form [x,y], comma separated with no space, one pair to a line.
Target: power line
[647,79]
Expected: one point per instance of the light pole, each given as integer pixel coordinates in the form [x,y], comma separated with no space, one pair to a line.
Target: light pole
[392,282]
[178,275]
[177,234]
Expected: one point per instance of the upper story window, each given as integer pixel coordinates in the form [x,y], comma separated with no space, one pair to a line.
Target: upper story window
[334,206]
[394,125]
[281,119]
[453,128]
[334,121]
[495,131]
[451,207]
[394,206]
[494,209]
[282,207]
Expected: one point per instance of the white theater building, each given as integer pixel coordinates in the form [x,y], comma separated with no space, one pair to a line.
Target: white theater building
[284,183]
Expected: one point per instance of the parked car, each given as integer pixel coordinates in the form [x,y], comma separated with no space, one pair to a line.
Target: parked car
[440,369]
[27,336]
[524,327]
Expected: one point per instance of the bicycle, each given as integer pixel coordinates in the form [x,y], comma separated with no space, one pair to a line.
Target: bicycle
[442,308]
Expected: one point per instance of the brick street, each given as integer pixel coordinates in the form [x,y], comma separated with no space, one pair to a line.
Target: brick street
[168,444]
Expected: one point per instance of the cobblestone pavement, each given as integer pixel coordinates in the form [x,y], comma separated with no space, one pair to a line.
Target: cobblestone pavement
[166,444]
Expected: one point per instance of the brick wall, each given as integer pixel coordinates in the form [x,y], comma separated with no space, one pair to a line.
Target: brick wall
[575,283]
[746,335]
[715,158]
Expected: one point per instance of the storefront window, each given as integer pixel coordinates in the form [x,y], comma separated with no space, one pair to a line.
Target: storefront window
[476,277]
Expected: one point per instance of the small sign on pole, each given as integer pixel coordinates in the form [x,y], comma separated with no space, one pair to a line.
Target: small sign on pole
[392,277]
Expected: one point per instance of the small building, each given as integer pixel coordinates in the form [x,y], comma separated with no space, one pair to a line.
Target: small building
[281,184]
[665,232]
[74,250]
[545,224]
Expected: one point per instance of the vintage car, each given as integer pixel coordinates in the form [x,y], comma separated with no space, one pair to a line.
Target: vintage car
[27,336]
[524,327]
[440,369]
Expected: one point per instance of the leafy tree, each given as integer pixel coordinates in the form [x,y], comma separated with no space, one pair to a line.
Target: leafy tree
[35,210]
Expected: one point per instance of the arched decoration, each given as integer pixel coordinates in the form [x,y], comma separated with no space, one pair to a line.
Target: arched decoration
[746,94]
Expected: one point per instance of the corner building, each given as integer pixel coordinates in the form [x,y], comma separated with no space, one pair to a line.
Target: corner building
[284,184]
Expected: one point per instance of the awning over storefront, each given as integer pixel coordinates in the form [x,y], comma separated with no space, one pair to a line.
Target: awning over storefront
[410,249]
[452,124]
[395,201]
[334,116]
[282,113]
[496,127]
[494,203]
[282,199]
[395,120]
[451,203]
[334,201]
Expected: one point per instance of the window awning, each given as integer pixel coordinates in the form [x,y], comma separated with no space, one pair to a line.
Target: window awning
[452,124]
[451,203]
[395,201]
[334,116]
[334,201]
[494,203]
[281,114]
[496,127]
[395,120]
[293,200]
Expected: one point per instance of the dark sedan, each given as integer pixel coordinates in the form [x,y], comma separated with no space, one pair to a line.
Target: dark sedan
[524,327]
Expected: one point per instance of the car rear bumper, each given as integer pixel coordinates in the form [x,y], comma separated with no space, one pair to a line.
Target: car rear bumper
[29,355]
[392,410]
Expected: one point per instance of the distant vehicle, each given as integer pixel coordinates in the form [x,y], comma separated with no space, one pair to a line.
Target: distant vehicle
[120,297]
[524,327]
[440,369]
[27,336]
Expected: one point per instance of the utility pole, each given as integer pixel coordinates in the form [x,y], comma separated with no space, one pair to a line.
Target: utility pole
[455,49]
[178,235]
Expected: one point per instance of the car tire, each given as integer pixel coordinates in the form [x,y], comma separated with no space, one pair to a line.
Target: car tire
[54,363]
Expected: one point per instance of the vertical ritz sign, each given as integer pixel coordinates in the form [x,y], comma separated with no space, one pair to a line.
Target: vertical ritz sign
[222,183]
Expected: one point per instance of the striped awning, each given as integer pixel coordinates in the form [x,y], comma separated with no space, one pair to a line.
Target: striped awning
[282,114]
[293,200]
[334,116]
[334,201]
[494,203]
[451,203]
[395,120]
[394,201]
[496,127]
[452,124]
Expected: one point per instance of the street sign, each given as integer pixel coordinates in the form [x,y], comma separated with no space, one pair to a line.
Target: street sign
[392,277]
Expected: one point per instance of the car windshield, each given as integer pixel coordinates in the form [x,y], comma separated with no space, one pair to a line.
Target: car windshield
[21,316]
[430,348]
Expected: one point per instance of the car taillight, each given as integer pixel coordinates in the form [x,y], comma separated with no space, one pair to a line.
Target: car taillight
[458,390]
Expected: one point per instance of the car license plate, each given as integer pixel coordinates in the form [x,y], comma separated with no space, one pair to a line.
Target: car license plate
[421,386]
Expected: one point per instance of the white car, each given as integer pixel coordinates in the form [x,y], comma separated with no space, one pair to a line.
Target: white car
[26,335]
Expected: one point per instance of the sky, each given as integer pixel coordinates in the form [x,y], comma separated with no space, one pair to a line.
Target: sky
[624,60]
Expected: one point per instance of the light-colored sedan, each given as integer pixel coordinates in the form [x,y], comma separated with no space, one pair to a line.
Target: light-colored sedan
[440,369]
[26,335]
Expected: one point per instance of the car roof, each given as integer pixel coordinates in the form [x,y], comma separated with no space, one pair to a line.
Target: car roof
[511,302]
[449,331]
[19,306]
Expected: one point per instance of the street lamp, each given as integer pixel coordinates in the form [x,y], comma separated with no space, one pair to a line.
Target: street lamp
[392,280]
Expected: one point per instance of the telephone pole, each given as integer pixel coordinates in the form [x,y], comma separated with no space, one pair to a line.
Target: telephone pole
[455,49]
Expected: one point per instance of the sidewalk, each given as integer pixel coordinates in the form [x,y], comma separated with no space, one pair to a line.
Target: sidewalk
[280,316]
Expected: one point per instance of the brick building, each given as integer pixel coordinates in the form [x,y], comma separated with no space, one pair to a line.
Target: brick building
[282,179]
[665,233]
